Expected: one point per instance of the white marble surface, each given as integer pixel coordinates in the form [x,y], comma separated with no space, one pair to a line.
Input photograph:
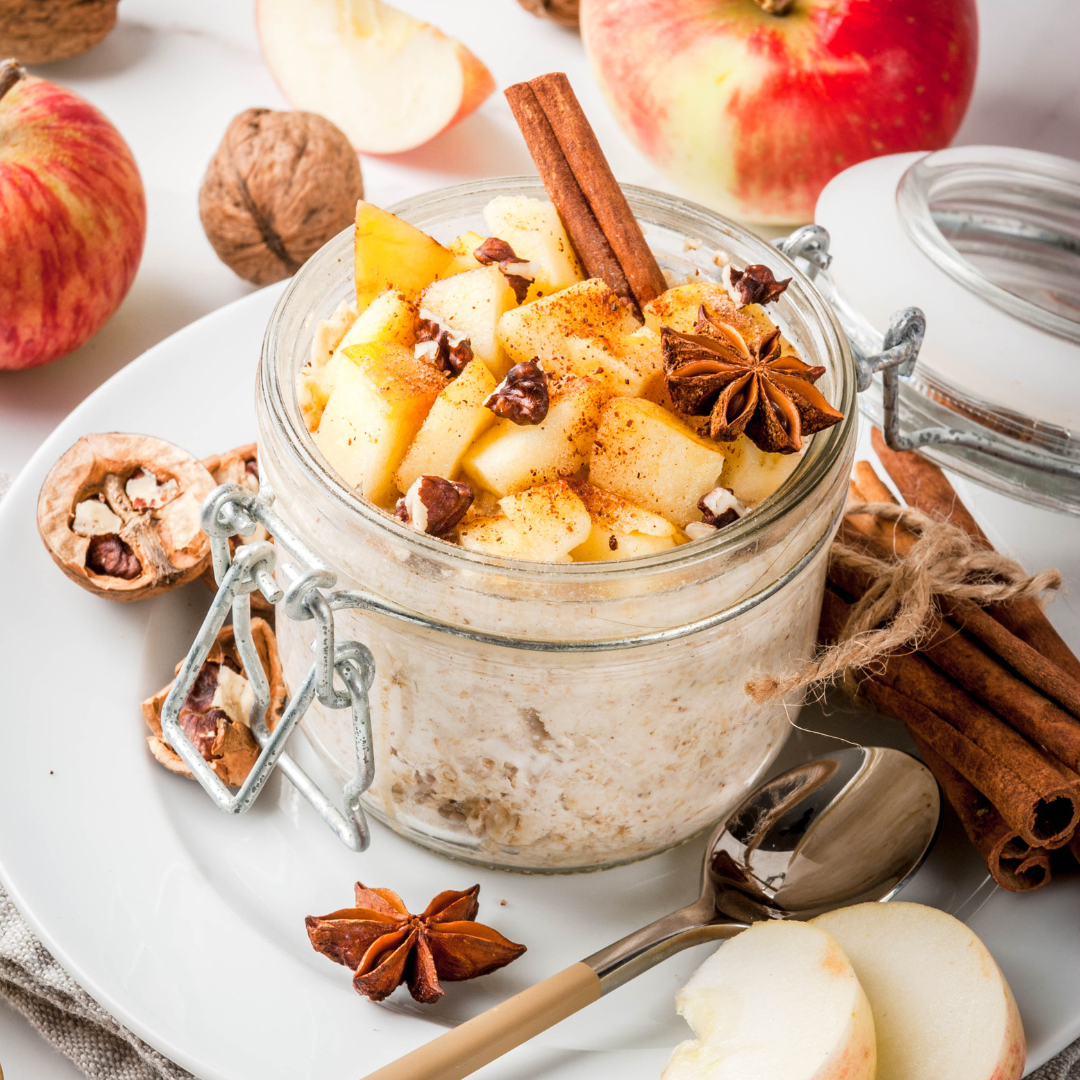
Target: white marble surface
[172,75]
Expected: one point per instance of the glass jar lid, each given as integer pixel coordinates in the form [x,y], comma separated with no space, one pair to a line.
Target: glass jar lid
[986,240]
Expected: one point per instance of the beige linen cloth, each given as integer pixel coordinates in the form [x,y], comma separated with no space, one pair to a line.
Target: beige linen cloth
[101,1047]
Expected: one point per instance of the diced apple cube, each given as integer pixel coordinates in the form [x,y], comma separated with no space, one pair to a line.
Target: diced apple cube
[604,544]
[472,303]
[649,456]
[587,310]
[551,517]
[511,457]
[455,420]
[388,318]
[616,514]
[378,403]
[535,232]
[463,247]
[678,308]
[496,536]
[391,253]
[752,474]
[630,364]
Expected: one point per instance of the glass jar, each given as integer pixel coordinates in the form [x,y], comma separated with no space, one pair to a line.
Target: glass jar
[564,743]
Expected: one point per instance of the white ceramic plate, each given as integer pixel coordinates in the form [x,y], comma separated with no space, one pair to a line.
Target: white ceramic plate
[189,924]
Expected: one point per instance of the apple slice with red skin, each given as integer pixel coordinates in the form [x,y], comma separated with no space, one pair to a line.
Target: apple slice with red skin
[389,81]
[72,219]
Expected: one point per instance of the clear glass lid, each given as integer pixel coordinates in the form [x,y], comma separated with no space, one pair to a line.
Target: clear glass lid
[986,240]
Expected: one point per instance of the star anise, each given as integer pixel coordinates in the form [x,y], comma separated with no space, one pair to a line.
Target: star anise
[756,284]
[385,945]
[745,387]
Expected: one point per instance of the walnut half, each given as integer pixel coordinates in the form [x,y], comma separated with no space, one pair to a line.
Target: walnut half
[214,714]
[119,514]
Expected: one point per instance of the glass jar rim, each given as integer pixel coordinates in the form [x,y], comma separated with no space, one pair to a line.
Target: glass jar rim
[988,168]
[825,448]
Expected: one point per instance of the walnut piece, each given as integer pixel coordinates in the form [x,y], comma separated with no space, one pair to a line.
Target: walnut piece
[563,12]
[280,185]
[41,31]
[215,712]
[434,505]
[441,345]
[720,507]
[518,272]
[240,466]
[523,395]
[119,514]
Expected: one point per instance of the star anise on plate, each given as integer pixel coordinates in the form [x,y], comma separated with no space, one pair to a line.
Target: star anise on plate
[750,387]
[385,945]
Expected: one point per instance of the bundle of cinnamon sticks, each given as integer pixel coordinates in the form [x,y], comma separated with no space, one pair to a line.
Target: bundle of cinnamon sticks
[991,697]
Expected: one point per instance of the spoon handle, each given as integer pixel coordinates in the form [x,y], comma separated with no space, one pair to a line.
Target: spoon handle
[491,1034]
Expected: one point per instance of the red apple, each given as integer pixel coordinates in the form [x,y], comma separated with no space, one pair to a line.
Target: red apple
[753,112]
[72,219]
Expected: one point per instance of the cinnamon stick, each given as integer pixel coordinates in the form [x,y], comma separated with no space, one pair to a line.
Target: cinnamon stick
[983,674]
[1032,796]
[1012,863]
[587,171]
[595,254]
[924,486]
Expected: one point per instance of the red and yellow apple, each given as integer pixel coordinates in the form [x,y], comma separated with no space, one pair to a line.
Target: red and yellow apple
[753,111]
[72,219]
[389,81]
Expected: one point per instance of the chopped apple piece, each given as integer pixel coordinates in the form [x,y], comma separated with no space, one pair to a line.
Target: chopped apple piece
[587,310]
[678,308]
[779,1001]
[630,364]
[496,536]
[511,457]
[649,456]
[605,544]
[752,474]
[551,517]
[455,420]
[378,403]
[463,247]
[392,254]
[472,304]
[535,232]
[389,317]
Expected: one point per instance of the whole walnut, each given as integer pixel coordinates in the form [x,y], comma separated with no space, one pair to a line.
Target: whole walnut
[41,31]
[564,12]
[279,186]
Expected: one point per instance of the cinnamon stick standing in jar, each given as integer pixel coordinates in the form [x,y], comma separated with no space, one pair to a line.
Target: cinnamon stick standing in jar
[588,175]
[924,486]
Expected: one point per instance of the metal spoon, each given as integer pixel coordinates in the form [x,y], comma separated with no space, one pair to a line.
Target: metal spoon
[839,830]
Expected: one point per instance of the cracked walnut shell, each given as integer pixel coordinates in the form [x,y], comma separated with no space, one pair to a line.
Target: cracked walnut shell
[279,186]
[119,514]
[214,714]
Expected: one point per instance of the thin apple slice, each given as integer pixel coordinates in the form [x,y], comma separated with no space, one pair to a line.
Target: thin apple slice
[778,1002]
[389,81]
[942,1007]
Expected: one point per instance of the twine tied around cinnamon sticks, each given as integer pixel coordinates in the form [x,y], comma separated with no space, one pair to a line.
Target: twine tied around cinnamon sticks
[900,607]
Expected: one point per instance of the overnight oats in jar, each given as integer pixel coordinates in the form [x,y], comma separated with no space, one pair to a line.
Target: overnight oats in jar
[571,538]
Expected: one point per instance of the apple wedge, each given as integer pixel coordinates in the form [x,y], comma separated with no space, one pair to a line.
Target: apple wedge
[389,81]
[942,1008]
[778,1002]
